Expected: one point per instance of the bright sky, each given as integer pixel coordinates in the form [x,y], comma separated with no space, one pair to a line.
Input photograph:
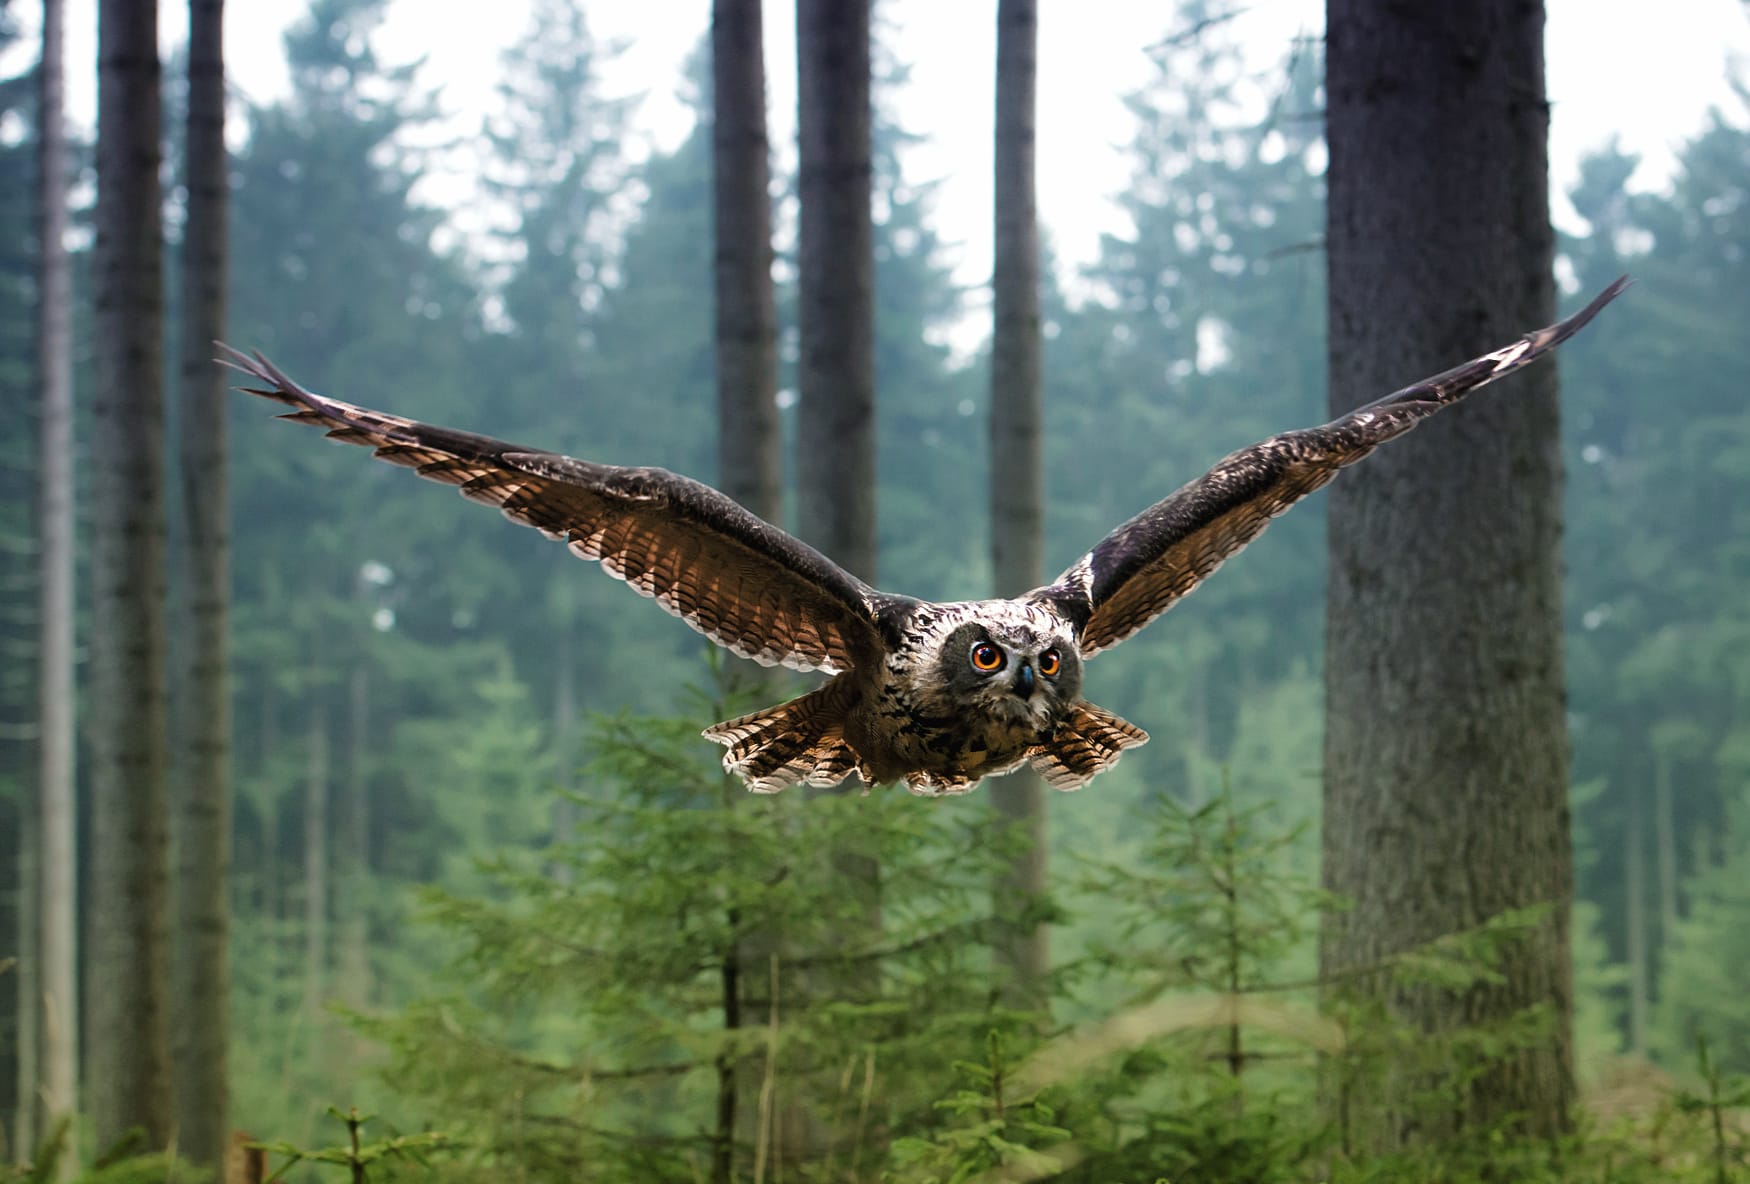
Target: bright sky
[1644,73]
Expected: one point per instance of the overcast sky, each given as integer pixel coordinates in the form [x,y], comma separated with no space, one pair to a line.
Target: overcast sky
[1645,73]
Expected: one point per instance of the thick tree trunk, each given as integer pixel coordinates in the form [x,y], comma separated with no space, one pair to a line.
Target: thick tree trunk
[1446,753]
[835,285]
[200,970]
[1017,479]
[128,1052]
[57,937]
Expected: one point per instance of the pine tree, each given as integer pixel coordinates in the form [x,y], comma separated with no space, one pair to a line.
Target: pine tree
[1445,745]
[127,1053]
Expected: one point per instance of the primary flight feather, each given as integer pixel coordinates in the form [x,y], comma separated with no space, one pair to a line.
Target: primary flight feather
[937,695]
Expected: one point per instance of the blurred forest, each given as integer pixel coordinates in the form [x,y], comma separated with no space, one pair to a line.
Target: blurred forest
[481,859]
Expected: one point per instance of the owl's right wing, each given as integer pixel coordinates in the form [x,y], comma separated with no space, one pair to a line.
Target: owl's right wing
[1148,564]
[740,581]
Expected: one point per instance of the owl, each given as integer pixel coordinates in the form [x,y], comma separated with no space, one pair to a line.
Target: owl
[937,695]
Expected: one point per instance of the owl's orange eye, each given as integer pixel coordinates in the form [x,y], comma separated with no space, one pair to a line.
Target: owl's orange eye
[986,657]
[1050,662]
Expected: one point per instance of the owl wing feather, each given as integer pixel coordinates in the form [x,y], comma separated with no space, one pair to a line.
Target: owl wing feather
[740,581]
[1148,564]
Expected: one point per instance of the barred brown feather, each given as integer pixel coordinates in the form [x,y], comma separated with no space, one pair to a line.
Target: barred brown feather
[741,582]
[1148,564]
[905,703]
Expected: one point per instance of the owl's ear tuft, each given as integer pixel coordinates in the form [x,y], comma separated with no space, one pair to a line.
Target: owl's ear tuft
[1087,743]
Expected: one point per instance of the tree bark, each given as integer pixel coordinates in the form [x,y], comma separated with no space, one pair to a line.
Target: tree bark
[1446,752]
[353,847]
[1017,482]
[1635,918]
[315,862]
[200,969]
[128,1053]
[749,436]
[749,442]
[835,285]
[57,938]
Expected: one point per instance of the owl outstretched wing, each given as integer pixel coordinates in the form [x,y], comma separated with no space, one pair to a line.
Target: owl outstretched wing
[740,581]
[1148,564]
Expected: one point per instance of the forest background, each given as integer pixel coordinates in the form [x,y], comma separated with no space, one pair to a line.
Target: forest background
[412,677]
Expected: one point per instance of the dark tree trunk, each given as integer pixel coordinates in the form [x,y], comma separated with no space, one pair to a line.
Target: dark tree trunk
[1446,752]
[57,939]
[749,437]
[836,285]
[1017,481]
[749,457]
[200,970]
[128,1054]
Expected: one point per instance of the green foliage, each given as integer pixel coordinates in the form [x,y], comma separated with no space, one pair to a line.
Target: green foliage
[598,1016]
[120,1164]
[356,1155]
[987,1130]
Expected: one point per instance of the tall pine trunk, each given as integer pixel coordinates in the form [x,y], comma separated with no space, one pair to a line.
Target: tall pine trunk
[57,937]
[315,861]
[200,975]
[1017,481]
[1446,754]
[128,1050]
[749,458]
[835,312]
[749,439]
[835,379]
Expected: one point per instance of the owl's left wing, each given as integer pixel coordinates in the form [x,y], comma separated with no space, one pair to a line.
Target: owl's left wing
[739,580]
[1143,568]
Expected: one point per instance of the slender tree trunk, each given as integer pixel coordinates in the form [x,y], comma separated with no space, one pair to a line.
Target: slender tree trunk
[1665,835]
[1017,479]
[749,442]
[200,971]
[1446,754]
[564,813]
[354,845]
[315,863]
[128,1053]
[1639,960]
[749,436]
[57,819]
[836,285]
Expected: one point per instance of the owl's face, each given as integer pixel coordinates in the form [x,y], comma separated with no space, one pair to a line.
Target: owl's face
[1012,672]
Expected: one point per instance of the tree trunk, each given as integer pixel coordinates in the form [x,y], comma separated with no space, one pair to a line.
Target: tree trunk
[315,863]
[749,436]
[200,971]
[835,313]
[1446,751]
[354,986]
[750,464]
[128,1053]
[1017,482]
[57,936]
[1665,835]
[1639,961]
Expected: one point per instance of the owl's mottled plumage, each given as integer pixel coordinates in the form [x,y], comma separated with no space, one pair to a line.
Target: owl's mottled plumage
[937,695]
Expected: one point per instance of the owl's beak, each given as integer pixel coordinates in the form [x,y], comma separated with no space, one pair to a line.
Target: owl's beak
[1024,680]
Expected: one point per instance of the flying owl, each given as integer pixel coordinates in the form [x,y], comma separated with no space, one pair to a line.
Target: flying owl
[937,695]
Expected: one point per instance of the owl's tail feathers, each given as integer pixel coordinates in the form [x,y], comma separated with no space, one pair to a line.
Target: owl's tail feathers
[799,741]
[1086,744]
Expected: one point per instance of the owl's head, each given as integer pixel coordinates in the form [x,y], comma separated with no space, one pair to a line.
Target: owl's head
[1011,670]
